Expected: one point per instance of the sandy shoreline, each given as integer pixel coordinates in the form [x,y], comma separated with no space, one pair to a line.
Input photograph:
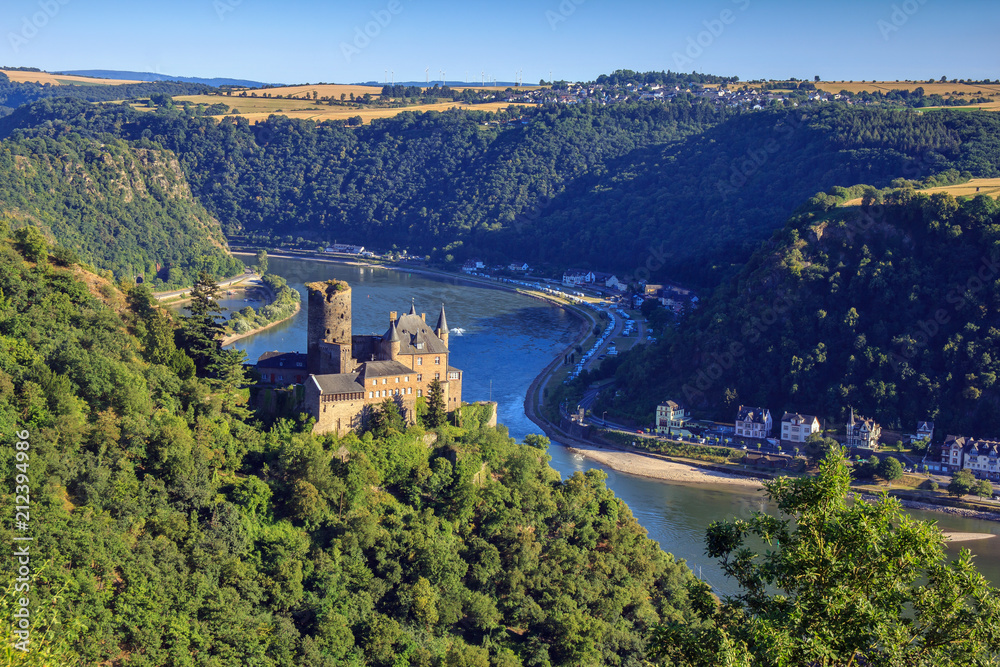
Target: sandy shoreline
[645,466]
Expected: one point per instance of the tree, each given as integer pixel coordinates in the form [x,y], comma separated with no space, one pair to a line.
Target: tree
[436,414]
[890,469]
[200,329]
[32,244]
[839,584]
[983,488]
[261,262]
[961,483]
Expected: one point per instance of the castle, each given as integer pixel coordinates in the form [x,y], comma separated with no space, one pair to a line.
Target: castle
[351,374]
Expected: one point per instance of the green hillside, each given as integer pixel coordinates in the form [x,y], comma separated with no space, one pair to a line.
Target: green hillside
[169,528]
[892,307]
[120,208]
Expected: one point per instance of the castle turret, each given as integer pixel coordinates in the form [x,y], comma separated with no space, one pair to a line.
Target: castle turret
[441,330]
[392,342]
[329,327]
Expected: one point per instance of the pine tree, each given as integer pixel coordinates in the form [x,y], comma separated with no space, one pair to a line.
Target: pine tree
[436,414]
[201,330]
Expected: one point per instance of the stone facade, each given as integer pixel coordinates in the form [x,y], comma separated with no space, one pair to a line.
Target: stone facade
[350,375]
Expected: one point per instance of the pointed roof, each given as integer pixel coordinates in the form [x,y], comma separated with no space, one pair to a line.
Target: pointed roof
[393,336]
[442,324]
[413,308]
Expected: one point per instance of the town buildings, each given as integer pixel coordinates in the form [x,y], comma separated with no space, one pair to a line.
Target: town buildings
[977,456]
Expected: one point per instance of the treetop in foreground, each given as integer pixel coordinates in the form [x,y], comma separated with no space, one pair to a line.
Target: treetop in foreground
[842,582]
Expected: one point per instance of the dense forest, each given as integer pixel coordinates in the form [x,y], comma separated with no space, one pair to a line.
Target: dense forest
[119,207]
[173,528]
[686,188]
[891,306]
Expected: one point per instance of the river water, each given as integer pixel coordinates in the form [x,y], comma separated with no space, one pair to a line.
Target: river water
[502,341]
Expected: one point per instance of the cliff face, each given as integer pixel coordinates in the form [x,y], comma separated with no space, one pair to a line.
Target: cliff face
[122,208]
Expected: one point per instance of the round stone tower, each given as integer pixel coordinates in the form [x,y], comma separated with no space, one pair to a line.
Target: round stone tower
[329,327]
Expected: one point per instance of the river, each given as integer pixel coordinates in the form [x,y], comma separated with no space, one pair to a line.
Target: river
[502,341]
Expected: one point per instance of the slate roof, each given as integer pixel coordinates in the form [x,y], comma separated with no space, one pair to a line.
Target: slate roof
[753,415]
[412,331]
[789,416]
[339,383]
[377,369]
[277,359]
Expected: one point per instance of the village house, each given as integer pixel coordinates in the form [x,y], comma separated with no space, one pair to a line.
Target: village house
[753,422]
[925,431]
[977,456]
[671,415]
[577,277]
[346,249]
[797,428]
[614,283]
[862,433]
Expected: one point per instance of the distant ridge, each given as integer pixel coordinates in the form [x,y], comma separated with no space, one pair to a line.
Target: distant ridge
[152,76]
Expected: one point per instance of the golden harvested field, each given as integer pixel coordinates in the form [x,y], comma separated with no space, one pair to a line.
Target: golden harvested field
[61,79]
[943,89]
[335,90]
[985,186]
[257,109]
[977,186]
[324,90]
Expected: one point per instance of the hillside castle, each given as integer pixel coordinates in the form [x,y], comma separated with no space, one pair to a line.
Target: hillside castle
[349,374]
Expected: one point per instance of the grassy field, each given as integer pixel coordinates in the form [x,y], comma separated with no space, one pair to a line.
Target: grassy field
[943,89]
[257,108]
[977,186]
[62,79]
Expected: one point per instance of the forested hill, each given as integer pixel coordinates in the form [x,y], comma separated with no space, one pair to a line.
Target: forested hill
[891,308]
[170,528]
[14,94]
[685,188]
[118,207]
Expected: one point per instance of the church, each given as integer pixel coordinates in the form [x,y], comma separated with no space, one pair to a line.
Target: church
[349,375]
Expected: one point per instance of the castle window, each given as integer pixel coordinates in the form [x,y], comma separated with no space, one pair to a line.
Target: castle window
[384,381]
[420,377]
[437,376]
[420,346]
[371,394]
[397,380]
[374,382]
[406,378]
[437,360]
[420,361]
[419,393]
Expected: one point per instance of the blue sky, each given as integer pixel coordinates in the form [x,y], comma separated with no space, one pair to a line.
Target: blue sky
[299,41]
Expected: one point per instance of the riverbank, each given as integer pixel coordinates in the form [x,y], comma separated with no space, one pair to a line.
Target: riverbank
[668,471]
[232,338]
